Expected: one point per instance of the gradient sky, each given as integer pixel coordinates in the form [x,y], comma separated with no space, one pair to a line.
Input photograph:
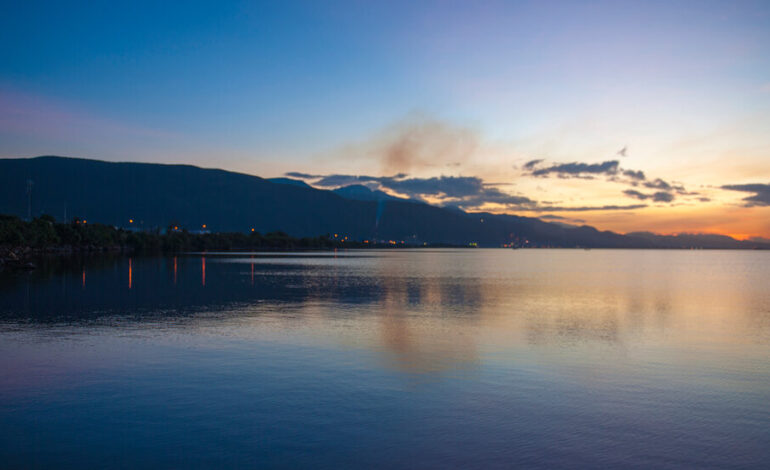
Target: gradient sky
[536,108]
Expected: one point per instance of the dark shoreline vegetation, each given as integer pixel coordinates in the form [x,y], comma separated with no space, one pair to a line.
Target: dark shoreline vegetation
[21,240]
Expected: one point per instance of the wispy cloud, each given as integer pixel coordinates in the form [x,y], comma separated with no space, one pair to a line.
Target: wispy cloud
[455,191]
[462,192]
[665,191]
[761,196]
[609,207]
[658,196]
[573,169]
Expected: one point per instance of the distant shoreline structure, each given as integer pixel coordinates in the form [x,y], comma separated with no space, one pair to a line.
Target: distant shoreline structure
[20,241]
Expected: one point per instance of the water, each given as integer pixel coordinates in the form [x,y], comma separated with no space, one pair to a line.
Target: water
[389,359]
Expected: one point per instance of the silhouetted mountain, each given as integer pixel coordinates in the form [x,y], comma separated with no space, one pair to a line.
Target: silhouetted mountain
[155,195]
[697,240]
[289,181]
[360,192]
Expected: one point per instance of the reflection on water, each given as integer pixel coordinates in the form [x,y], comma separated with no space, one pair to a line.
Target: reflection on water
[389,358]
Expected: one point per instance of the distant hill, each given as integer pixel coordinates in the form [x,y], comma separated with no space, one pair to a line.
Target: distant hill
[289,181]
[360,192]
[155,195]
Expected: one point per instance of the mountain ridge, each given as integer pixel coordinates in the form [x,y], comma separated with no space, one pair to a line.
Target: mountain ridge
[156,195]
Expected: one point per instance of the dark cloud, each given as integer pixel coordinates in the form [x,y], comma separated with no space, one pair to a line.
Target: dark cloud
[463,192]
[637,175]
[612,171]
[445,186]
[636,194]
[588,208]
[333,181]
[455,191]
[492,195]
[560,218]
[575,169]
[663,185]
[532,164]
[304,176]
[761,196]
[657,183]
[662,196]
[658,196]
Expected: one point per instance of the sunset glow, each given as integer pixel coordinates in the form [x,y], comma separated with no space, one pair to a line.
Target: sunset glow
[444,103]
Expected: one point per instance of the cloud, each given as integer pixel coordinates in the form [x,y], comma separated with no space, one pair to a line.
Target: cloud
[333,181]
[611,170]
[454,191]
[573,169]
[658,196]
[636,175]
[636,194]
[492,196]
[530,165]
[304,176]
[658,183]
[560,218]
[443,186]
[587,208]
[761,196]
[471,192]
[662,196]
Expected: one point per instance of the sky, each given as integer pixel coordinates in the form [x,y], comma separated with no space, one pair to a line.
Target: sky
[623,115]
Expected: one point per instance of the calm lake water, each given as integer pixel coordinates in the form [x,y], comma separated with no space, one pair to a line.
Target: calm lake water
[389,359]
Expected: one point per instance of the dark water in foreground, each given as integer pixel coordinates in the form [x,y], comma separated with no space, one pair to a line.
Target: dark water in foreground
[411,359]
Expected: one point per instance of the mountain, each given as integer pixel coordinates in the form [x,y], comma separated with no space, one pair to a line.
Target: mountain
[359,192]
[697,240]
[154,195]
[289,181]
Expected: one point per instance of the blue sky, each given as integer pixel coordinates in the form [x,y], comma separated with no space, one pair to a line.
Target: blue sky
[327,87]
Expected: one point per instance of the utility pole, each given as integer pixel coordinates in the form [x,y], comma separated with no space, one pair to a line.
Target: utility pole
[29,199]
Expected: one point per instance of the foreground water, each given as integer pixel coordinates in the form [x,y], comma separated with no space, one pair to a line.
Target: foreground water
[402,358]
